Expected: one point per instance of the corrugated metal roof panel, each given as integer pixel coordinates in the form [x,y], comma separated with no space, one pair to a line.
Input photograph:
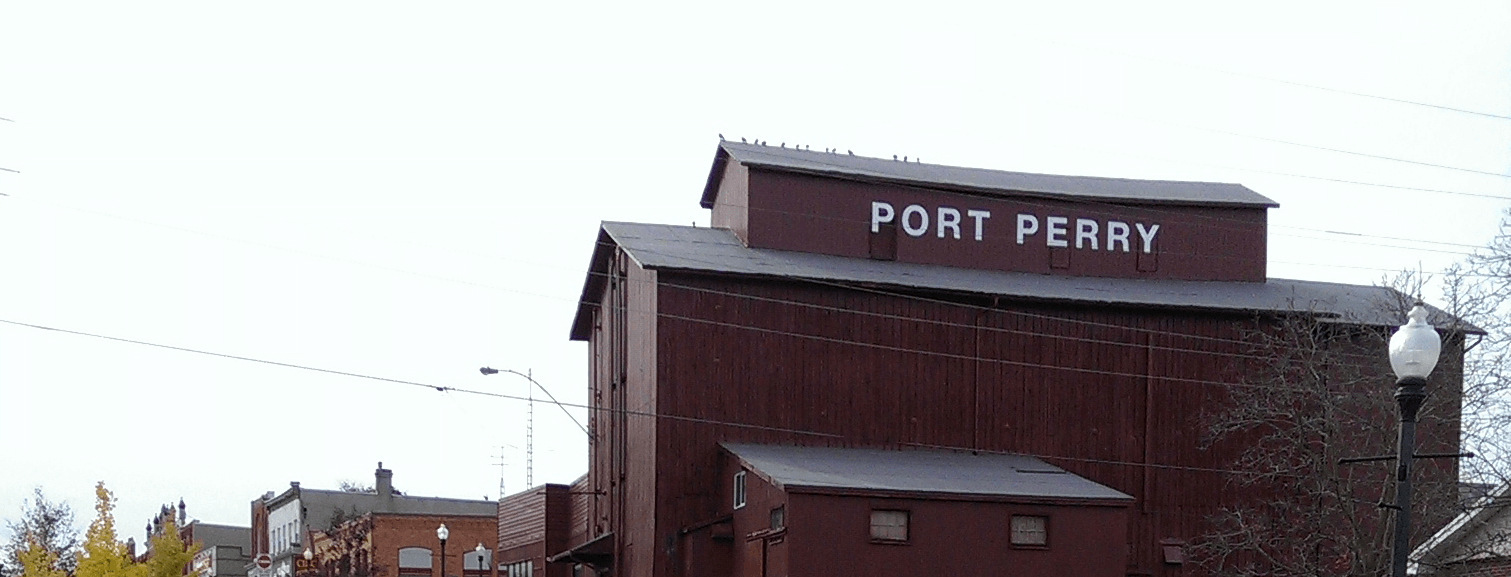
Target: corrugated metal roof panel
[713,250]
[919,472]
[984,181]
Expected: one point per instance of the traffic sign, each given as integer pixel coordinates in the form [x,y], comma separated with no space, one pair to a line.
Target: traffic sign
[264,561]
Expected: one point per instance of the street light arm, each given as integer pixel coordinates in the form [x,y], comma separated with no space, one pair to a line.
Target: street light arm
[493,371]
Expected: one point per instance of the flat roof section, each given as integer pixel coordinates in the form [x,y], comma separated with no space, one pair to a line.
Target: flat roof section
[979,180]
[719,251]
[920,471]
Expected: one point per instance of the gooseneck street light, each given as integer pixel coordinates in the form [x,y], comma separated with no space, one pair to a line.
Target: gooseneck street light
[530,422]
[1413,353]
[479,550]
[493,371]
[441,533]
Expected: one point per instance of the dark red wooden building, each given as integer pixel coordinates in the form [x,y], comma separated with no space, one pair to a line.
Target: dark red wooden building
[889,312]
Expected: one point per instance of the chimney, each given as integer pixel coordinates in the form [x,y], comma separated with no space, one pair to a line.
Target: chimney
[385,482]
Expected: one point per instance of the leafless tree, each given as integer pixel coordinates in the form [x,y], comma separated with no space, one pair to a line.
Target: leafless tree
[1319,389]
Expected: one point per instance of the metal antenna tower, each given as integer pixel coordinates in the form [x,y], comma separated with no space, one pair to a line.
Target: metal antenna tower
[530,433]
[501,464]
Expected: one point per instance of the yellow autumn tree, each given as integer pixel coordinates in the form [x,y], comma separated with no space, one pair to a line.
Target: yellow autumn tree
[103,555]
[168,555]
[37,561]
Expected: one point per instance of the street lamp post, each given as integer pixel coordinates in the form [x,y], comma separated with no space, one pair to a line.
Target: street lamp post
[530,422]
[441,533]
[1413,353]
[479,550]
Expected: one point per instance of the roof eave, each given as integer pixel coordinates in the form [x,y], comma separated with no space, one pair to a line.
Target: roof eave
[993,192]
[593,286]
[715,177]
[1108,501]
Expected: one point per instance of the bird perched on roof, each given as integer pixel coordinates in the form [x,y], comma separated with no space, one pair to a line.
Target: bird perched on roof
[894,157]
[742,140]
[852,152]
[784,145]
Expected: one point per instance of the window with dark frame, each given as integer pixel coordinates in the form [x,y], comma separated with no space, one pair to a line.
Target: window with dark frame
[1030,531]
[889,526]
[739,490]
[779,517]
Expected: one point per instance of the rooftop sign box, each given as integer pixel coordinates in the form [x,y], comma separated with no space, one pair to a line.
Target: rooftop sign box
[785,199]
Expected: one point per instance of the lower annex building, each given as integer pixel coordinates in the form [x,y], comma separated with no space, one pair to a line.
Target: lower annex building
[877,367]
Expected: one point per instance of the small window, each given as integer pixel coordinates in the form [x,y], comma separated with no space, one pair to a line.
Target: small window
[1174,551]
[739,489]
[414,562]
[889,526]
[1030,531]
[779,517]
[524,568]
[475,563]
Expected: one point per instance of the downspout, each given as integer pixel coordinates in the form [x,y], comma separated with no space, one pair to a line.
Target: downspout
[976,377]
[1148,420]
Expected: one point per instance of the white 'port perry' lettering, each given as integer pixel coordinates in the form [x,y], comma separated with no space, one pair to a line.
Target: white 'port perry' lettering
[1057,231]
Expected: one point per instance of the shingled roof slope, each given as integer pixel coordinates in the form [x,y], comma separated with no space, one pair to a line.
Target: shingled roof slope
[980,180]
[928,472]
[719,251]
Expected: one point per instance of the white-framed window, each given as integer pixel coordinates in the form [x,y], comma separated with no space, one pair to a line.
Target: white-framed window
[524,568]
[889,525]
[739,490]
[1030,531]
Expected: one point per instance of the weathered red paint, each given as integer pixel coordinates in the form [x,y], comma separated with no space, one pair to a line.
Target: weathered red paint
[800,212]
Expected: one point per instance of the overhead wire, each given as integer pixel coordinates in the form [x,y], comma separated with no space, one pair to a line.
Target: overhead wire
[1318,87]
[625,411]
[591,273]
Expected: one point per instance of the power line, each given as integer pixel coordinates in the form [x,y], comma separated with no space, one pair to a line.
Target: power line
[591,273]
[1282,81]
[626,411]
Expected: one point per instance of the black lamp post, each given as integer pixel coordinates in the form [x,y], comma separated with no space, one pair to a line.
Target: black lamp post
[479,550]
[441,533]
[1413,352]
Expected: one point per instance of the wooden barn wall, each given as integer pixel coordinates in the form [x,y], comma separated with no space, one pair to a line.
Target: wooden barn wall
[808,213]
[582,512]
[521,524]
[558,527]
[1114,395]
[623,387]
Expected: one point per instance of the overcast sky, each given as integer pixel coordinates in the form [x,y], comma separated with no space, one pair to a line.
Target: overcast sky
[411,191]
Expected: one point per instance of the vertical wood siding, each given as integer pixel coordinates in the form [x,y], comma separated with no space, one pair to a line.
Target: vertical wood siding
[1115,395]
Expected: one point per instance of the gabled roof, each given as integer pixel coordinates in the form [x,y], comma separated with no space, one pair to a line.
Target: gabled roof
[928,472]
[1468,537]
[719,251]
[979,180]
